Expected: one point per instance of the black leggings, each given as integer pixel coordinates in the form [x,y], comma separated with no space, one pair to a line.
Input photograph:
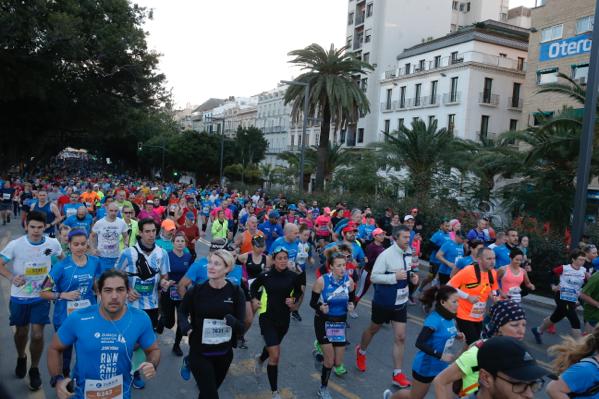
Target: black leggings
[470,329]
[209,372]
[168,308]
[565,309]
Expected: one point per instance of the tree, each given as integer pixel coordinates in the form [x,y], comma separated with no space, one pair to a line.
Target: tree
[361,173]
[334,96]
[251,145]
[334,157]
[423,151]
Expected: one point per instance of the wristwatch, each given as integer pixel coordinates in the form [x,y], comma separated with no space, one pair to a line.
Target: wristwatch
[54,380]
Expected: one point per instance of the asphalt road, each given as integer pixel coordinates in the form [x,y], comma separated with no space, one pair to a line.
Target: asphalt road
[298,377]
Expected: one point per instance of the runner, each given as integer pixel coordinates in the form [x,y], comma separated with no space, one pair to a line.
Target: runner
[51,211]
[30,256]
[217,312]
[566,291]
[149,212]
[475,284]
[304,255]
[373,250]
[105,237]
[103,365]
[6,196]
[281,289]
[332,298]
[437,240]
[390,276]
[271,229]
[167,233]
[478,233]
[473,247]
[147,266]
[513,276]
[245,239]
[70,284]
[89,198]
[220,226]
[81,220]
[133,228]
[502,252]
[448,254]
[192,233]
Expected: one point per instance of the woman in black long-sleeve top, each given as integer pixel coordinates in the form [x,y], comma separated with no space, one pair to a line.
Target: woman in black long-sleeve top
[216,310]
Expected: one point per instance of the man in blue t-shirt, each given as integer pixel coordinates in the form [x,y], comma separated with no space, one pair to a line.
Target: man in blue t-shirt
[448,254]
[271,228]
[105,337]
[288,241]
[80,221]
[502,252]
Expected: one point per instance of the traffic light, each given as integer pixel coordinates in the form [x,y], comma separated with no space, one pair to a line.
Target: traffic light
[139,146]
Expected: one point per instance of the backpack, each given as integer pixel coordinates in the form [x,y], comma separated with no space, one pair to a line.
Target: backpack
[143,269]
[592,390]
[478,277]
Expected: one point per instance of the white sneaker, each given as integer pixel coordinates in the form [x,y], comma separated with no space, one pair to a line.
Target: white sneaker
[387,394]
[323,393]
[353,314]
[258,365]
[275,395]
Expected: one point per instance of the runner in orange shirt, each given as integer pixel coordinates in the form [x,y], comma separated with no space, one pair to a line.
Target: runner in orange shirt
[89,198]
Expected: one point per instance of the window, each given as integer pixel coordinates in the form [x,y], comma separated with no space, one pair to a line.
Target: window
[462,7]
[503,17]
[368,37]
[292,140]
[366,57]
[434,85]
[454,57]
[415,119]
[418,91]
[547,76]
[437,61]
[487,90]
[503,55]
[580,73]
[348,42]
[453,93]
[552,33]
[400,123]
[369,10]
[388,102]
[431,119]
[513,125]
[468,7]
[520,65]
[360,135]
[407,68]
[484,126]
[364,84]
[515,101]
[350,18]
[450,123]
[342,134]
[387,126]
[402,97]
[584,24]
[454,5]
[421,65]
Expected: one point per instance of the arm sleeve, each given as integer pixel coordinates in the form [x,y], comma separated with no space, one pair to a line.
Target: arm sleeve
[297,288]
[422,345]
[580,377]
[315,301]
[378,275]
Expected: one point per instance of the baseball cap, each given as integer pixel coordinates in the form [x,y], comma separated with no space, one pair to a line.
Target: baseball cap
[274,214]
[377,231]
[190,216]
[350,227]
[150,202]
[327,211]
[509,356]
[168,225]
[292,207]
[258,241]
[408,217]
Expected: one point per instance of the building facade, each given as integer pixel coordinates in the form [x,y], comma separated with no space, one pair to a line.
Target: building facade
[469,81]
[378,30]
[273,117]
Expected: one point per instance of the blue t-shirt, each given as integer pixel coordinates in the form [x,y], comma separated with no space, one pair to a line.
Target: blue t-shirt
[198,272]
[67,276]
[291,247]
[580,377]
[365,231]
[439,238]
[444,331]
[179,265]
[463,262]
[84,224]
[104,348]
[475,235]
[71,209]
[206,207]
[502,256]
[451,251]
[268,229]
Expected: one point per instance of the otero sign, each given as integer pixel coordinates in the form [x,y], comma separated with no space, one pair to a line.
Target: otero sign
[563,48]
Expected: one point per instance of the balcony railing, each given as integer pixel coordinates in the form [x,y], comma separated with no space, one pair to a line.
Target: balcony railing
[389,106]
[486,135]
[414,102]
[488,99]
[452,98]
[431,101]
[360,19]
[462,58]
[515,103]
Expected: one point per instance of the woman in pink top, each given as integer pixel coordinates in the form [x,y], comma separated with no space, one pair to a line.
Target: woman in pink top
[454,225]
[512,276]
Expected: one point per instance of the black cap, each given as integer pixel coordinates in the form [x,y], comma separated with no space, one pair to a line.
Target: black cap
[258,241]
[509,356]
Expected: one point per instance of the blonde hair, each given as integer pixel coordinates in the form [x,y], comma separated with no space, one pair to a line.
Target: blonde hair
[571,350]
[225,256]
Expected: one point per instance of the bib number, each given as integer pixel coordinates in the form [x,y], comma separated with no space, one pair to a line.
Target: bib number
[568,294]
[514,294]
[104,389]
[401,296]
[144,288]
[173,293]
[335,331]
[216,332]
[34,277]
[74,305]
[478,310]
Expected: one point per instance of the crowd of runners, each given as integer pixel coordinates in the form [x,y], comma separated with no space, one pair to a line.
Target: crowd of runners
[118,261]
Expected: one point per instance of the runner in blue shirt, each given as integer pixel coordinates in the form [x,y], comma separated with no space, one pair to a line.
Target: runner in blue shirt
[447,255]
[502,252]
[474,246]
[105,336]
[271,229]
[81,220]
[437,241]
[349,238]
[289,241]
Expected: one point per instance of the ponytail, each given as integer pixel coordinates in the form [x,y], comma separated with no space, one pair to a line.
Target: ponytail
[571,350]
[436,294]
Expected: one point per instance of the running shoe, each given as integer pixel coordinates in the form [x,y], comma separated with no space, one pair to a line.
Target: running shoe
[241,344]
[353,314]
[323,393]
[177,350]
[401,380]
[360,360]
[138,383]
[258,366]
[551,329]
[159,327]
[537,334]
[21,369]
[387,394]
[317,347]
[35,381]
[340,370]
[184,370]
[275,395]
[296,316]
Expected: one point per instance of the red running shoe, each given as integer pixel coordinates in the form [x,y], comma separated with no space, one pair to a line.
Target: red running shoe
[360,360]
[551,330]
[401,380]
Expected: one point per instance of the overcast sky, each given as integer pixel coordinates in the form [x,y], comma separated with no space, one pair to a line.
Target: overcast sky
[222,48]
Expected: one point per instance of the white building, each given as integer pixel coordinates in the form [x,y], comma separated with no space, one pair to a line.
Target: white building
[273,118]
[197,115]
[378,30]
[234,112]
[470,81]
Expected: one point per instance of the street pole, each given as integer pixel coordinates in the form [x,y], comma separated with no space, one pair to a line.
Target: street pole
[586,138]
[301,179]
[222,150]
[163,150]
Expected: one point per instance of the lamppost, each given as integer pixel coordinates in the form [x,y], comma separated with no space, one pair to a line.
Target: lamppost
[586,138]
[302,148]
[210,119]
[140,146]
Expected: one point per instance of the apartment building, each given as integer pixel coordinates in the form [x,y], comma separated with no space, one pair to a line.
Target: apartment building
[469,81]
[230,115]
[560,41]
[273,118]
[197,115]
[378,30]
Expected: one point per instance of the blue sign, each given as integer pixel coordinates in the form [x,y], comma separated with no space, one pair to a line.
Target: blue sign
[571,47]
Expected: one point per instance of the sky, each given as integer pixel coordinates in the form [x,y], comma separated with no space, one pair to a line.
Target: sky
[222,48]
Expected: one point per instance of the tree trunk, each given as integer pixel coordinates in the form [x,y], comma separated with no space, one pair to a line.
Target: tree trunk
[323,146]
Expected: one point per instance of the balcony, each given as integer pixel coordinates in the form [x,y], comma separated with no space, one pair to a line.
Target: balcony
[487,99]
[389,106]
[486,135]
[414,102]
[431,101]
[360,19]
[515,103]
[358,44]
[452,98]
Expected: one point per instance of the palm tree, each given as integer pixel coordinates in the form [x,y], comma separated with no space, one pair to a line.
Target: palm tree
[293,165]
[334,92]
[334,157]
[267,172]
[423,151]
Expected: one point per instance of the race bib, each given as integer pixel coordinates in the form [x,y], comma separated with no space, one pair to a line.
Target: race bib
[216,332]
[568,294]
[35,273]
[74,305]
[335,331]
[144,288]
[173,293]
[478,310]
[401,296]
[514,294]
[6,196]
[104,389]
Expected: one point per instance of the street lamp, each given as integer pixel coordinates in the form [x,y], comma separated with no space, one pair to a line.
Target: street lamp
[222,143]
[306,95]
[141,145]
[586,138]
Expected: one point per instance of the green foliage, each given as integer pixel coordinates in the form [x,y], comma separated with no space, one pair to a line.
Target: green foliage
[251,145]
